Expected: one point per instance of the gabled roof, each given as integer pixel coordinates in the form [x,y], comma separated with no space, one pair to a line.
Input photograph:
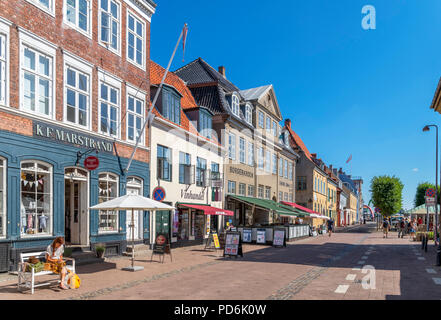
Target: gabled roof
[187,100]
[199,72]
[255,93]
[297,140]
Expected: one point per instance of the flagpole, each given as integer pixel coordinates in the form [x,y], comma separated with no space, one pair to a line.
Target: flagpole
[154,100]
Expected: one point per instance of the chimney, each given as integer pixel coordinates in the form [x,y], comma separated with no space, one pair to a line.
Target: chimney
[288,123]
[330,167]
[222,71]
[340,171]
[314,155]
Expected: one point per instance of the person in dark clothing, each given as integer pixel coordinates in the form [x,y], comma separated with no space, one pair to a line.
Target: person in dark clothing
[330,226]
[385,228]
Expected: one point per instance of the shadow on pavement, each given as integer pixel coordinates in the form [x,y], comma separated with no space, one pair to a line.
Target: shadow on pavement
[95,268]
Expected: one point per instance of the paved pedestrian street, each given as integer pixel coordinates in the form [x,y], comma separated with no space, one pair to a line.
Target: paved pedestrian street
[319,268]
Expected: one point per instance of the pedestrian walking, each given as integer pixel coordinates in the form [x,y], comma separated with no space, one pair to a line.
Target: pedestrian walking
[385,227]
[330,226]
[412,229]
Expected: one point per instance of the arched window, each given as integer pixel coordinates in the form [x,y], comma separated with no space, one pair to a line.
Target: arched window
[235,104]
[107,190]
[2,197]
[36,198]
[248,114]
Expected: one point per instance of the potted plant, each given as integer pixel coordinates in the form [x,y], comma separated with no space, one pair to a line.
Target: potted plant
[100,249]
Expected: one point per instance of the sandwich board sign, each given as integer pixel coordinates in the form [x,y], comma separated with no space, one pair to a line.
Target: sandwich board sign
[247,235]
[233,245]
[261,236]
[279,238]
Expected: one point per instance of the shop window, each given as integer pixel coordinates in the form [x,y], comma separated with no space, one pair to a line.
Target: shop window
[36,198]
[2,197]
[77,95]
[77,15]
[37,80]
[109,110]
[110,24]
[185,167]
[108,190]
[201,172]
[135,118]
[198,224]
[135,40]
[164,163]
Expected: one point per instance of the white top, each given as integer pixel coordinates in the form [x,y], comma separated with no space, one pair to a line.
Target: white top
[57,254]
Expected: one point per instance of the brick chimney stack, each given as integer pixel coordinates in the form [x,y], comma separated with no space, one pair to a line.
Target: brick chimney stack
[288,123]
[222,71]
[314,155]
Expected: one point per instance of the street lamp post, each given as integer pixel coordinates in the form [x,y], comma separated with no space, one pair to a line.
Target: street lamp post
[438,251]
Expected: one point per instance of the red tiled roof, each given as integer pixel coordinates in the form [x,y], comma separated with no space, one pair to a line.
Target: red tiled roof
[187,100]
[298,141]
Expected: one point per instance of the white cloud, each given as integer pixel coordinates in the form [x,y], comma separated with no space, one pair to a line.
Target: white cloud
[415,169]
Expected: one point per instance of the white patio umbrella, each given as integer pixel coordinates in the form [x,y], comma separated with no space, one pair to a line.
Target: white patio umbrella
[132,202]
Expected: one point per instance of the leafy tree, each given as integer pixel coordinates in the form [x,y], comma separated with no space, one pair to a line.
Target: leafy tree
[387,194]
[421,193]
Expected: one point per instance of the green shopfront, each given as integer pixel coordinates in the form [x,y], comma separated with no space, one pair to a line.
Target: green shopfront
[45,192]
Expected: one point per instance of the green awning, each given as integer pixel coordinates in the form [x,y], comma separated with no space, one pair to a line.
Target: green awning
[265,204]
[422,210]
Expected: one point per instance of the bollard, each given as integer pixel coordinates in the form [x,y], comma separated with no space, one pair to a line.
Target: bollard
[426,241]
[422,242]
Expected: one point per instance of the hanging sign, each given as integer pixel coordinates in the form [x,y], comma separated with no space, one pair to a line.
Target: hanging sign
[233,245]
[279,238]
[91,163]
[159,194]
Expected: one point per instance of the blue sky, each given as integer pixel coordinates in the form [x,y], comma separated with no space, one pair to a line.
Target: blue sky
[347,90]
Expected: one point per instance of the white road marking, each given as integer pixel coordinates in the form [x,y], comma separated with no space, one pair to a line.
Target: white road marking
[361,262]
[343,288]
[351,277]
[431,271]
[356,269]
[437,280]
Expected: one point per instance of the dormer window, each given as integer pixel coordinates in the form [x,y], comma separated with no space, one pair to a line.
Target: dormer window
[205,123]
[171,106]
[235,104]
[248,114]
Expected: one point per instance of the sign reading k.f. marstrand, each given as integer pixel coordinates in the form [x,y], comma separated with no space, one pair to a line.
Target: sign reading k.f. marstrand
[50,132]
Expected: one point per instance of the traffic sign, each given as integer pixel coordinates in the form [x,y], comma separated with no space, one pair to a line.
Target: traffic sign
[91,163]
[159,194]
[430,201]
[430,193]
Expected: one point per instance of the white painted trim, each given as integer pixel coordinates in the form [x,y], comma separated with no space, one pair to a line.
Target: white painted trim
[100,42]
[144,42]
[43,8]
[87,69]
[27,39]
[109,78]
[5,198]
[30,116]
[130,91]
[118,227]
[139,11]
[88,33]
[5,31]
[106,78]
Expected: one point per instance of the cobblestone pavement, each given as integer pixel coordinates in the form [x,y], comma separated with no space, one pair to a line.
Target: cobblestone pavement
[314,268]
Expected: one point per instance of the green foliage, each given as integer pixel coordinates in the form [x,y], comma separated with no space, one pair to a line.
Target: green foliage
[421,193]
[100,248]
[387,194]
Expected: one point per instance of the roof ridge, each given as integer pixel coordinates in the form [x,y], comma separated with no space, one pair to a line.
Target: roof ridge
[186,66]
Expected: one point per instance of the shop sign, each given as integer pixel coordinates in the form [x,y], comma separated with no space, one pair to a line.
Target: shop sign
[279,238]
[91,163]
[261,236]
[67,136]
[192,196]
[233,245]
[241,172]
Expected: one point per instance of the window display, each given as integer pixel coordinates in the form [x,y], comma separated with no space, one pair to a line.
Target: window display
[199,225]
[108,190]
[36,198]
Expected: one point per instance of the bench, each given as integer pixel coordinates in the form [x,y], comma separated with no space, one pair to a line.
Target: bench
[27,279]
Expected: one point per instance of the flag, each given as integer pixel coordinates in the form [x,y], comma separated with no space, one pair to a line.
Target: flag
[349,159]
[184,41]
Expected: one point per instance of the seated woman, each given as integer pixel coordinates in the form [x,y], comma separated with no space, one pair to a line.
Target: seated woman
[54,259]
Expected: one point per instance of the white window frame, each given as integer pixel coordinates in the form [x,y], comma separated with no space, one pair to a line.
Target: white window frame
[109,80]
[117,212]
[274,128]
[249,114]
[45,48]
[268,127]
[261,116]
[290,171]
[235,101]
[76,26]
[274,163]
[3,212]
[267,161]
[242,151]
[5,43]
[100,41]
[136,17]
[137,95]
[232,146]
[51,204]
[86,68]
[50,10]
[260,158]
[251,154]
[280,167]
[285,168]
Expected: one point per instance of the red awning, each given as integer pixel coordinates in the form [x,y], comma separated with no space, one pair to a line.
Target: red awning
[295,205]
[208,210]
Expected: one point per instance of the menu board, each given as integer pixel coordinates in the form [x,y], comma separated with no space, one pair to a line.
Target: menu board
[216,241]
[261,236]
[279,238]
[233,245]
[247,235]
